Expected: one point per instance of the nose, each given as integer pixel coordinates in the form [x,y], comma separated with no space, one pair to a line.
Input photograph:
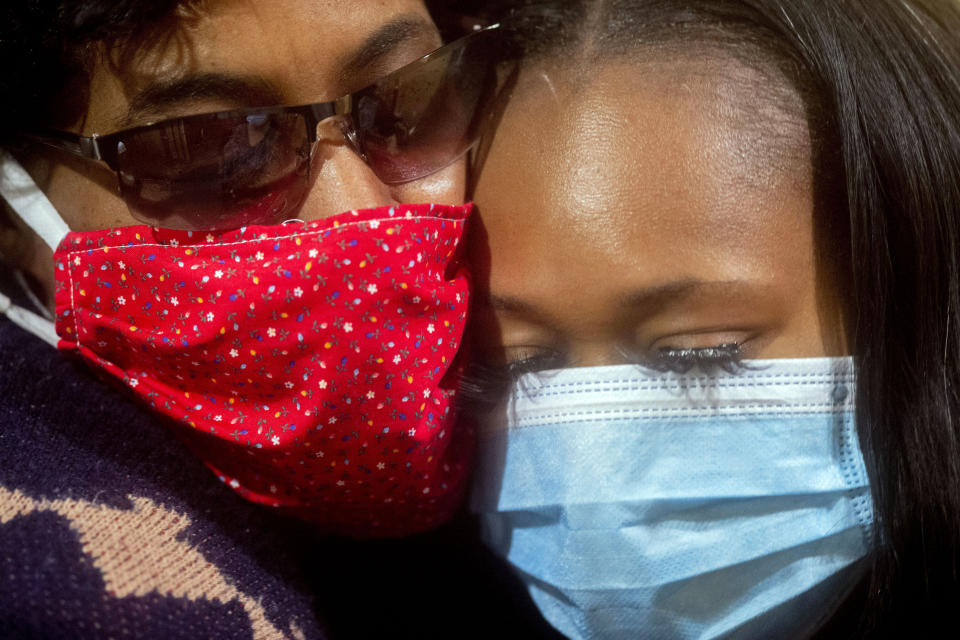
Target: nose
[340,179]
[597,353]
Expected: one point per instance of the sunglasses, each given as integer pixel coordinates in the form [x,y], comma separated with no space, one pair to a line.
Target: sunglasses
[235,168]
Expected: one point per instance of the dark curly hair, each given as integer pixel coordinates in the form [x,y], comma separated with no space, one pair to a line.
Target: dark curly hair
[46,48]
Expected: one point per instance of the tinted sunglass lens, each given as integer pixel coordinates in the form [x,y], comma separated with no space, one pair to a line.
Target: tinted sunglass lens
[422,118]
[229,169]
[219,171]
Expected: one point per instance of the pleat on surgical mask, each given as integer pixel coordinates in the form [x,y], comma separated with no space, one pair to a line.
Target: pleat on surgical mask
[660,505]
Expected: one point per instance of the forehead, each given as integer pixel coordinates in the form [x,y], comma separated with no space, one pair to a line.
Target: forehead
[703,161]
[655,131]
[289,51]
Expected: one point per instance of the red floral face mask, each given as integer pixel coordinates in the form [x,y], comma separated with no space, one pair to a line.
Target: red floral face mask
[310,362]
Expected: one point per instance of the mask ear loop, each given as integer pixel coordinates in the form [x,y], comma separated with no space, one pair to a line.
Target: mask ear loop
[29,321]
[29,202]
[37,212]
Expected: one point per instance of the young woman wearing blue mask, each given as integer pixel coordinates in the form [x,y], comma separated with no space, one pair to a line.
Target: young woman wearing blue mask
[757,202]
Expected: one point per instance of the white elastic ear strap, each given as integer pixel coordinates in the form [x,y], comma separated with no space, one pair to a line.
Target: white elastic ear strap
[29,202]
[28,321]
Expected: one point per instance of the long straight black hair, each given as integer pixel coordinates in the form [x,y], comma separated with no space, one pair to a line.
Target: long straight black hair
[882,79]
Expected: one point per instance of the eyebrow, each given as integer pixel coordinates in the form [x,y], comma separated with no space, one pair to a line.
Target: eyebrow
[249,91]
[167,93]
[730,290]
[386,39]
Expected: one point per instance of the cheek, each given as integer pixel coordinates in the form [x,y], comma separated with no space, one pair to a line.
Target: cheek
[88,202]
[447,186]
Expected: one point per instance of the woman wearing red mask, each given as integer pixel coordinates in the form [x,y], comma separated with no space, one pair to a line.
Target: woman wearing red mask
[207,202]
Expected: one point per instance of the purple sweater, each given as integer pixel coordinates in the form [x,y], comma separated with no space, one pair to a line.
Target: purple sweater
[109,528]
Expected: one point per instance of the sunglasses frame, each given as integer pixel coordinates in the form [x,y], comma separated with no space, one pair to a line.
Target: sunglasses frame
[105,147]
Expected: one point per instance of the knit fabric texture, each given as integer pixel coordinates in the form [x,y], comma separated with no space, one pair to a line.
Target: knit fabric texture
[110,528]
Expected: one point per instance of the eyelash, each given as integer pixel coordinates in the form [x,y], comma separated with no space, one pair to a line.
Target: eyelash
[541,360]
[727,357]
[482,386]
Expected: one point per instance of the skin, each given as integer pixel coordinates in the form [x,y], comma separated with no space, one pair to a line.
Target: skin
[650,204]
[328,50]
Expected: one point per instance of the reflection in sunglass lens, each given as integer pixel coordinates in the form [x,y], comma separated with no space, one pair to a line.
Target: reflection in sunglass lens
[216,171]
[420,119]
[235,168]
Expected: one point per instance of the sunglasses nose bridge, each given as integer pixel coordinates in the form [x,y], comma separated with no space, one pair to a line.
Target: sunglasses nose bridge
[333,133]
[337,131]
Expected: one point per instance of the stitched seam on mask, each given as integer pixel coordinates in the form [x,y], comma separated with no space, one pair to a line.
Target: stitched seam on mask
[856,480]
[217,245]
[739,376]
[809,378]
[863,508]
[624,385]
[73,305]
[624,414]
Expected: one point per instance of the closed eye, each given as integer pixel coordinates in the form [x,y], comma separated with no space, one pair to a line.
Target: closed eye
[483,384]
[726,357]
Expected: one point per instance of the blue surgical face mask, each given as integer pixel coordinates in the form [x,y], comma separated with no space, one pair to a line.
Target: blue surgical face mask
[659,505]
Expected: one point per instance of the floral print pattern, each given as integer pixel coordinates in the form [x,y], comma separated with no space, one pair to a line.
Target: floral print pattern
[310,364]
